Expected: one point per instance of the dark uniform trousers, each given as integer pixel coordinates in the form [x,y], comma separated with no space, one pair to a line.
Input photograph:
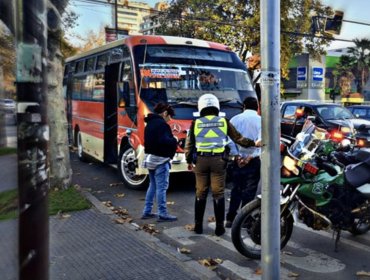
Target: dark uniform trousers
[210,172]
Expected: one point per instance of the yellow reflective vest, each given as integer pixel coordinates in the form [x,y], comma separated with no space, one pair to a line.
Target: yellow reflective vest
[211,134]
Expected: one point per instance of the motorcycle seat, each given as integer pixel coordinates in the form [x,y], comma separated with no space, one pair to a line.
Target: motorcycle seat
[357,174]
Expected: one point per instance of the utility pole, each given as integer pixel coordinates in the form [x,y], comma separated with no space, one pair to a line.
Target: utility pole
[116,17]
[270,171]
[33,138]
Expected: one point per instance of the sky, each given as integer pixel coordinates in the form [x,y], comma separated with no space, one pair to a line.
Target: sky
[93,16]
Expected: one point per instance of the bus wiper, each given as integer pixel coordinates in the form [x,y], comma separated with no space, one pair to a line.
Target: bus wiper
[184,103]
[227,100]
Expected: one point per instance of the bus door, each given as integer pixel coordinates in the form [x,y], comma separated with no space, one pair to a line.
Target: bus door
[112,73]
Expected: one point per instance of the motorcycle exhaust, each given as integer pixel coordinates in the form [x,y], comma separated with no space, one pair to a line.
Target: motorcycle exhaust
[363,209]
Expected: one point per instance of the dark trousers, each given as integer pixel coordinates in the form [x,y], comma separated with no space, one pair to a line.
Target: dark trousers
[245,182]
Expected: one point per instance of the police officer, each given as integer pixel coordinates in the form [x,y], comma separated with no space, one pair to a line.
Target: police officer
[205,144]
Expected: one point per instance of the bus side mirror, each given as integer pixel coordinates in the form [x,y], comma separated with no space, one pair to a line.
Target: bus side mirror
[123,94]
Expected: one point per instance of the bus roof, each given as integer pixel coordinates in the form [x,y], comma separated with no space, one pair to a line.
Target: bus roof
[152,40]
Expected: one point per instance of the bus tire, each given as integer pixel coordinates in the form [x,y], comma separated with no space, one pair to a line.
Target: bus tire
[80,150]
[126,166]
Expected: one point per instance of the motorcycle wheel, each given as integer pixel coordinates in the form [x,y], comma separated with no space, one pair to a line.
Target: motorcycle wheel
[359,228]
[246,230]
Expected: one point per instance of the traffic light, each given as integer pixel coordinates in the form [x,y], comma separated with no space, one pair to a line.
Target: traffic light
[333,25]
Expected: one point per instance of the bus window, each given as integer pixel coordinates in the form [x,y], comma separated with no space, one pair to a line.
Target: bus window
[76,89]
[98,88]
[87,86]
[90,64]
[80,66]
[102,61]
[119,54]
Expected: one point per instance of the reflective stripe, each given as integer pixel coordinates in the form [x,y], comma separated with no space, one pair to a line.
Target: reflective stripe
[210,134]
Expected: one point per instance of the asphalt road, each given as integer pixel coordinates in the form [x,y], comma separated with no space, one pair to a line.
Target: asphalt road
[308,255]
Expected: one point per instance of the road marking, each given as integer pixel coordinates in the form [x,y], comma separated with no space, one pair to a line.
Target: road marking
[327,234]
[312,261]
[249,274]
[183,236]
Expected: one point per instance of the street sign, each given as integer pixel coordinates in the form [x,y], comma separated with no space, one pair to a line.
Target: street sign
[301,73]
[317,74]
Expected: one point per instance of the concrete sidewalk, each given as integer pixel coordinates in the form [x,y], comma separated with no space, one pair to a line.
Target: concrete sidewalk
[90,245]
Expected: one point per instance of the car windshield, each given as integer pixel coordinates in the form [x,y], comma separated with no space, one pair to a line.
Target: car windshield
[334,113]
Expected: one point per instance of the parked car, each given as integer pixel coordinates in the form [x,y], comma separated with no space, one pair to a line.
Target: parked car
[360,111]
[337,120]
[7,105]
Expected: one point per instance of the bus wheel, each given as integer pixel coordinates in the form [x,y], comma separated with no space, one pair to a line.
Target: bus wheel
[126,165]
[80,150]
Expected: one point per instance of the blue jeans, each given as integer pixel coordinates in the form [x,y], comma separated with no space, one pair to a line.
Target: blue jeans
[159,181]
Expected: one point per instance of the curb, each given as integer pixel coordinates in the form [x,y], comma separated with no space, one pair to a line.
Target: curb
[191,266]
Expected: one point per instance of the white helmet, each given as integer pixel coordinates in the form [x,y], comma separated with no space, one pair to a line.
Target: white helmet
[208,100]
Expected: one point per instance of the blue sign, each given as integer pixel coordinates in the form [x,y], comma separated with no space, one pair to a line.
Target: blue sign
[317,74]
[301,73]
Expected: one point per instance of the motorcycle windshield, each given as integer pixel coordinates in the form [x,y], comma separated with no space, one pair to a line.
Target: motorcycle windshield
[307,141]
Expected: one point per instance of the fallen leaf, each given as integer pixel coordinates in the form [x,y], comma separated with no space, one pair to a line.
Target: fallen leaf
[183,250]
[96,178]
[258,271]
[120,211]
[119,195]
[62,215]
[107,203]
[123,220]
[150,228]
[189,227]
[78,173]
[287,253]
[362,273]
[170,202]
[119,221]
[211,219]
[293,274]
[210,263]
[77,186]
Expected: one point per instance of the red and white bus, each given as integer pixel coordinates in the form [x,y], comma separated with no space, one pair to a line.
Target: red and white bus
[109,90]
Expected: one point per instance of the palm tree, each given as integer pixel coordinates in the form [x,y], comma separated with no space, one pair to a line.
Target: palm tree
[361,53]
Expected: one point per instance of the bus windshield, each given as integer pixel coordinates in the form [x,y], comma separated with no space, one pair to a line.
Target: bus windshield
[179,75]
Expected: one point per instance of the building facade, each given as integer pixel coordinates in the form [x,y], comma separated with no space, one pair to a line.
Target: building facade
[131,14]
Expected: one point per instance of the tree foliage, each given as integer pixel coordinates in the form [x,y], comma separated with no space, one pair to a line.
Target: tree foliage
[236,23]
[361,58]
[7,60]
[355,66]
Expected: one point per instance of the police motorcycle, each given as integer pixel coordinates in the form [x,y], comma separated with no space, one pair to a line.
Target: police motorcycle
[322,187]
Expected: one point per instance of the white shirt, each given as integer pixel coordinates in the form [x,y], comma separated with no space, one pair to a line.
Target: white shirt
[248,124]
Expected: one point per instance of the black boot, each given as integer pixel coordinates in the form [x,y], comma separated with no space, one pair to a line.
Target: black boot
[200,206]
[219,207]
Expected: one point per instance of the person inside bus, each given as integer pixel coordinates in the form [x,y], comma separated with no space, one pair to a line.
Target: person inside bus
[205,154]
[160,147]
[207,81]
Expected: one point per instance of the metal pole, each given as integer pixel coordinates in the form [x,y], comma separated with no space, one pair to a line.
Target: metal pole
[33,137]
[116,17]
[270,171]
